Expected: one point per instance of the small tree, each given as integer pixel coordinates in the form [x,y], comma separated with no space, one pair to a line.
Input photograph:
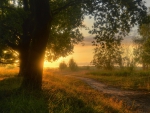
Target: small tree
[62,65]
[107,55]
[72,64]
[128,58]
[142,44]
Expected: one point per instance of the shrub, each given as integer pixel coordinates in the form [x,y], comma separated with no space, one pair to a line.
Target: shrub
[73,65]
[62,65]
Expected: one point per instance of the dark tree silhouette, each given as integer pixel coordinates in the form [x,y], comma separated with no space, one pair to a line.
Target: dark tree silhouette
[73,65]
[62,66]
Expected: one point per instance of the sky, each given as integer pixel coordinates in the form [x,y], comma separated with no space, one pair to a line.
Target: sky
[83,54]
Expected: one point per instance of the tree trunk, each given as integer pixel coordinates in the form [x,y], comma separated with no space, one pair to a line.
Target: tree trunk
[24,46]
[32,75]
[23,61]
[32,78]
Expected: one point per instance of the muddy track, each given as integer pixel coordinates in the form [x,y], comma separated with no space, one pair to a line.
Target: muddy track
[133,100]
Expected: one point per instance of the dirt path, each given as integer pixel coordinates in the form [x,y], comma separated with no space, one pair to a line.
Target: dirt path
[132,100]
[135,100]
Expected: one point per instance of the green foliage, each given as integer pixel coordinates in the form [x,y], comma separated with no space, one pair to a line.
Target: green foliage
[142,48]
[114,19]
[111,17]
[73,65]
[110,27]
[65,30]
[9,57]
[11,21]
[128,58]
[62,65]
[107,55]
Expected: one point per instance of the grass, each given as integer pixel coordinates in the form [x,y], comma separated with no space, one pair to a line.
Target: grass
[6,72]
[125,79]
[60,94]
[69,95]
[14,100]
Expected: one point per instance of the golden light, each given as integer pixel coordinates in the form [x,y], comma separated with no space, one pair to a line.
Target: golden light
[50,65]
[56,63]
[82,55]
[5,51]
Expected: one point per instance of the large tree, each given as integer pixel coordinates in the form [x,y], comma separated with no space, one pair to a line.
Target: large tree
[32,26]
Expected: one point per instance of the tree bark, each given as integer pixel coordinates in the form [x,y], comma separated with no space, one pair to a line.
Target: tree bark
[32,78]
[23,53]
[24,45]
[33,72]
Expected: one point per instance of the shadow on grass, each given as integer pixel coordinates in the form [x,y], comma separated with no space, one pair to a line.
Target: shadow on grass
[60,102]
[14,100]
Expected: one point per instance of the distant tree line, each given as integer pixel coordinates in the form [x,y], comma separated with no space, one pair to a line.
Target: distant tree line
[72,65]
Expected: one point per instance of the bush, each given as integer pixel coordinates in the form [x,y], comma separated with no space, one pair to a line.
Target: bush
[62,65]
[73,65]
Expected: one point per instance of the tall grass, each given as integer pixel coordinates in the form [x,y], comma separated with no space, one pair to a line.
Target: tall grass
[69,95]
[14,100]
[126,79]
[6,72]
[60,94]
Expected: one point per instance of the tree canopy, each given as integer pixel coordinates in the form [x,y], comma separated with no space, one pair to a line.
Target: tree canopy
[111,17]
[64,29]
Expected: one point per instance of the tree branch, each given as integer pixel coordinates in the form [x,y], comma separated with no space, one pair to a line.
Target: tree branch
[12,29]
[10,8]
[71,3]
[1,62]
[12,45]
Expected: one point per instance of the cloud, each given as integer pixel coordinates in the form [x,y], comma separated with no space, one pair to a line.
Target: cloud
[88,40]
